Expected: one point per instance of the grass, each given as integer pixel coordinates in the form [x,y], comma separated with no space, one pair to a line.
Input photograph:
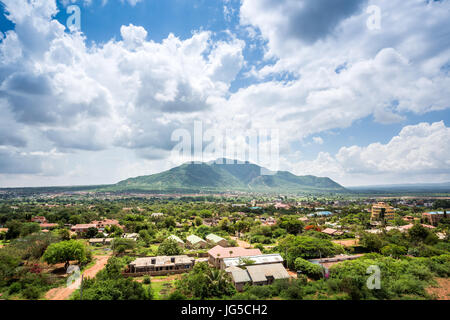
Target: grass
[158,286]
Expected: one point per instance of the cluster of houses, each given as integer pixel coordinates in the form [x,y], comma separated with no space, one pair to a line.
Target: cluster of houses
[99,225]
[245,266]
[43,223]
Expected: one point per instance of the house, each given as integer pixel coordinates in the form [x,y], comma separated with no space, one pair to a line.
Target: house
[332,232]
[39,219]
[210,222]
[282,206]
[47,226]
[434,217]
[216,254]
[101,241]
[250,260]
[106,223]
[270,221]
[303,219]
[160,265]
[132,236]
[177,239]
[81,228]
[258,275]
[157,215]
[216,240]
[195,242]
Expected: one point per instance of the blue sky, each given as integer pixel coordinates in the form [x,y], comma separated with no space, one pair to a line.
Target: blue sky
[357,89]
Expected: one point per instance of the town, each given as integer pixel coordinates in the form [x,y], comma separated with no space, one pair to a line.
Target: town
[223,246]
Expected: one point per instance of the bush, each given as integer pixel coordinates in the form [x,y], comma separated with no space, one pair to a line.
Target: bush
[31,293]
[313,271]
[15,288]
[394,250]
[147,280]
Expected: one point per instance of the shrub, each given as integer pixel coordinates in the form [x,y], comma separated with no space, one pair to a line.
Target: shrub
[147,280]
[313,271]
[31,293]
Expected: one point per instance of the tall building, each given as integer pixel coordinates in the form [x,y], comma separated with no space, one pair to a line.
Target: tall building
[434,217]
[382,211]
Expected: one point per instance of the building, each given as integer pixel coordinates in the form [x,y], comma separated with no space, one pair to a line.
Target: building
[101,241]
[157,215]
[160,265]
[81,228]
[132,236]
[101,225]
[320,214]
[401,229]
[258,275]
[216,240]
[251,260]
[434,217]
[195,242]
[177,239]
[216,254]
[332,232]
[39,219]
[382,211]
[47,226]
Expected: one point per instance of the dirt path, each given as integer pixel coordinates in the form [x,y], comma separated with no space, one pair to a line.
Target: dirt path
[63,293]
[442,292]
[242,243]
[346,243]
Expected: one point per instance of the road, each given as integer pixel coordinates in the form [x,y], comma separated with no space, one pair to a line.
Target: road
[242,243]
[63,293]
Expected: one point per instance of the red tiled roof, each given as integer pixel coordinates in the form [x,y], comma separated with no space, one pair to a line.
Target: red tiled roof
[237,252]
[48,225]
[83,226]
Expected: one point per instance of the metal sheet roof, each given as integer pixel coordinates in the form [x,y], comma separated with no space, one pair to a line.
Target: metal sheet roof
[257,259]
[260,273]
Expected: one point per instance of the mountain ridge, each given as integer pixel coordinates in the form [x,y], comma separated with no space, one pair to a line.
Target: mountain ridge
[224,175]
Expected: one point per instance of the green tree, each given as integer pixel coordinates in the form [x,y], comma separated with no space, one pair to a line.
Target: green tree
[66,251]
[169,247]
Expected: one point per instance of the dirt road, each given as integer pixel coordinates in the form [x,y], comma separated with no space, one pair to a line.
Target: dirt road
[442,291]
[242,243]
[63,293]
[346,243]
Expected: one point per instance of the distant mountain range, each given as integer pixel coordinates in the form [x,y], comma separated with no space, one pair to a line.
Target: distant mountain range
[214,177]
[443,187]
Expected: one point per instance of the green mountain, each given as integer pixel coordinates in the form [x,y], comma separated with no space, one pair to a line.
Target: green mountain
[214,177]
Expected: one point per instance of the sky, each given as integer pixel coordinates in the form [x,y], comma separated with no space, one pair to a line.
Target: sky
[354,90]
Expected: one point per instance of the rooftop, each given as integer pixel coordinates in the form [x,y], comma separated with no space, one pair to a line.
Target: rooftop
[219,251]
[260,273]
[257,259]
[194,239]
[214,238]
[161,261]
[174,237]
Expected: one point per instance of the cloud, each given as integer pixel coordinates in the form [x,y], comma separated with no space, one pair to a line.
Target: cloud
[127,95]
[317,140]
[130,93]
[416,152]
[299,21]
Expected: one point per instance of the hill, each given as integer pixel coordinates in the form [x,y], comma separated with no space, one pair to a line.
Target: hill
[214,177]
